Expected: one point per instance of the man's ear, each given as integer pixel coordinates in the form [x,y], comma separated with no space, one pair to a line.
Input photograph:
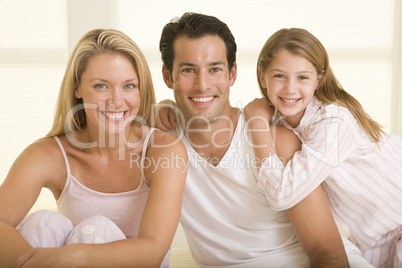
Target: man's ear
[167,77]
[261,78]
[233,74]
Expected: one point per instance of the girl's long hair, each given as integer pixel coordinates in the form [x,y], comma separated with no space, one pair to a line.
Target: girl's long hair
[302,43]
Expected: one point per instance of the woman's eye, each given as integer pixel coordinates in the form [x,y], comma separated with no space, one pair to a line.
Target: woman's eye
[100,86]
[130,86]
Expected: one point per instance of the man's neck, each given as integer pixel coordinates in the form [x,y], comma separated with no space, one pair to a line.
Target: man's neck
[211,141]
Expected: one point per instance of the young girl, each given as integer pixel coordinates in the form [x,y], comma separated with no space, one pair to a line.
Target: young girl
[342,147]
[118,183]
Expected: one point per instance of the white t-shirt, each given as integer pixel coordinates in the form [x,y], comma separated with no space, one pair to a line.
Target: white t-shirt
[226,216]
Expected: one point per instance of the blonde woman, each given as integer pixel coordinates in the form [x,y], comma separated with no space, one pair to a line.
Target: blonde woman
[118,183]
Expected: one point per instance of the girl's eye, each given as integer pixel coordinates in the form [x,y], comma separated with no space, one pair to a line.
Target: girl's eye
[303,77]
[100,86]
[278,76]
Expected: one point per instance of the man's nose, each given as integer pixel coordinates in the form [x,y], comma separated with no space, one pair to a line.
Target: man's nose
[202,81]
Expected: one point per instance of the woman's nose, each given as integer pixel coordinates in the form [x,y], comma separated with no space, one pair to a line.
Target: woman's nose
[115,100]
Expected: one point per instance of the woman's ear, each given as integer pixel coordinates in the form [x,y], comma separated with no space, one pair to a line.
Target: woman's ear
[77,91]
[261,78]
[167,77]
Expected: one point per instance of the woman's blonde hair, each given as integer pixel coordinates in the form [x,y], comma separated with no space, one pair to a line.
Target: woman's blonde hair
[69,112]
[302,43]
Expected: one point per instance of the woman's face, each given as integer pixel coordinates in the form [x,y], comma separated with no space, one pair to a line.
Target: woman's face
[109,89]
[291,81]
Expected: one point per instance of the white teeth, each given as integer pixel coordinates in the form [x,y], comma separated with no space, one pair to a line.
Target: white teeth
[114,115]
[289,101]
[202,99]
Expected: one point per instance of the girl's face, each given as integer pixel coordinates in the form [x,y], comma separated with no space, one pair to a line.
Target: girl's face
[291,81]
[109,90]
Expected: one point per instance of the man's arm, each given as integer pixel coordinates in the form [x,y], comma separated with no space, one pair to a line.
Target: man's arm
[165,119]
[317,232]
[312,218]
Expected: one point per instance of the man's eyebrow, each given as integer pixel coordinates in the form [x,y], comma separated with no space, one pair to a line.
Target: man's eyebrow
[186,64]
[216,63]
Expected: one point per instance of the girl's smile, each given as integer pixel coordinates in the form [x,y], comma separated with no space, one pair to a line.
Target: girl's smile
[291,81]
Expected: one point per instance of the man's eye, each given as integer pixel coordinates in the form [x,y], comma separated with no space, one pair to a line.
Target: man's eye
[188,70]
[216,69]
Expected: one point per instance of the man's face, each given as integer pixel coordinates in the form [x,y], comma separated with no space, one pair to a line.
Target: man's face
[201,78]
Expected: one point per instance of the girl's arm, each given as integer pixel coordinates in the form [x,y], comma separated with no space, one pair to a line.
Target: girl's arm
[326,143]
[258,115]
[329,136]
[166,175]
[31,171]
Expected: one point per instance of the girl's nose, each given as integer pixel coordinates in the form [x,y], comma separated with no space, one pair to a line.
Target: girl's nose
[290,86]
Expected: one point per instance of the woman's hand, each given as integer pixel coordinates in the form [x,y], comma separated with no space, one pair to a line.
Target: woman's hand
[259,108]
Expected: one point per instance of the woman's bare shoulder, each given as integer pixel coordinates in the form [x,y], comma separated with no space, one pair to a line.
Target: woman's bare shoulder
[44,157]
[162,142]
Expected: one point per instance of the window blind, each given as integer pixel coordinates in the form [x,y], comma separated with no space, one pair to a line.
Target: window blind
[32,62]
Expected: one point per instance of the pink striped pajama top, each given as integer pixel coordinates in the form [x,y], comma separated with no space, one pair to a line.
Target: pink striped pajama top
[362,179]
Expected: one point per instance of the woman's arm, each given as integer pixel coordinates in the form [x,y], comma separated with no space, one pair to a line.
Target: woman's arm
[31,171]
[166,175]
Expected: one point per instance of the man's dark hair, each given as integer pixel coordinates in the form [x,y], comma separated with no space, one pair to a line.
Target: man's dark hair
[194,25]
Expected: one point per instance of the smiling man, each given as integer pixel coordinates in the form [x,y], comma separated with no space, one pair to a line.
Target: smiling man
[227,218]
